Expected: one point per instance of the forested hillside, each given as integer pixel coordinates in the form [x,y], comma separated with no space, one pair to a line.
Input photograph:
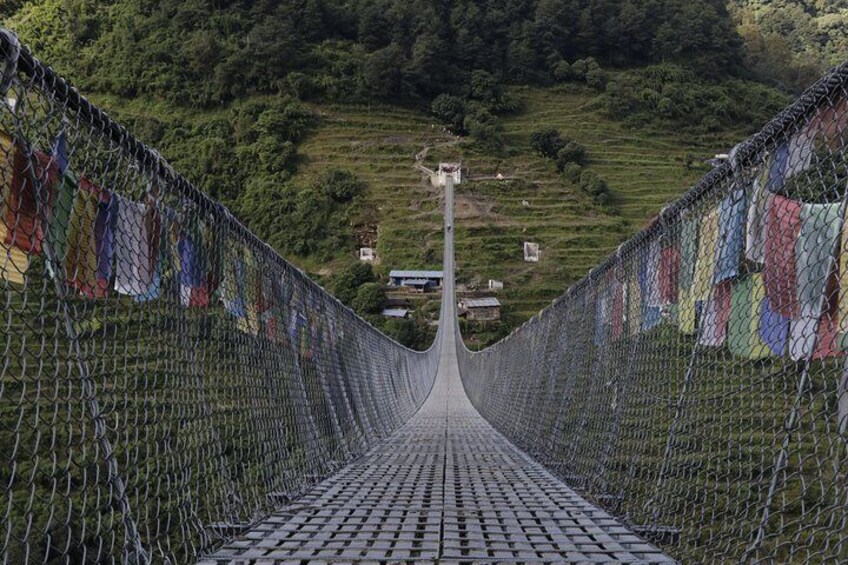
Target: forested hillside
[245,98]
[789,42]
[206,52]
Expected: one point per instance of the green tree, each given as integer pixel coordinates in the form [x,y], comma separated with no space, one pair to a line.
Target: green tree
[370,299]
[596,187]
[562,71]
[427,70]
[405,332]
[596,78]
[547,142]
[382,76]
[485,128]
[450,110]
[346,283]
[374,26]
[571,152]
[702,34]
[339,185]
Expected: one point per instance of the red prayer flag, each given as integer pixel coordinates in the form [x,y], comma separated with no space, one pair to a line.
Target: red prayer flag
[669,273]
[24,226]
[783,224]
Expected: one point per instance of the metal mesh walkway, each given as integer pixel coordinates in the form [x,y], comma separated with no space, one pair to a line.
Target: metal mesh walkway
[446,487]
[169,384]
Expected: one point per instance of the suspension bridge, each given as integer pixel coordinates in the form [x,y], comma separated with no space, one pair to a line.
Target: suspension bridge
[174,391]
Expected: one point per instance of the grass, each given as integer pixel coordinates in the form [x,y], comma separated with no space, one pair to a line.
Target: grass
[605,430]
[205,422]
[402,211]
[645,169]
[178,388]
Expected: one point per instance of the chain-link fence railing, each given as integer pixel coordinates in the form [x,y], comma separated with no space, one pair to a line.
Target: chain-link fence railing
[695,383]
[166,378]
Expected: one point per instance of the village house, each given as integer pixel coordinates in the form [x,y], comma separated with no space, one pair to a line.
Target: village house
[481,309]
[419,281]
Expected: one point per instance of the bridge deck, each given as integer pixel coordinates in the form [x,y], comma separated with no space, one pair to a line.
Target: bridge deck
[446,487]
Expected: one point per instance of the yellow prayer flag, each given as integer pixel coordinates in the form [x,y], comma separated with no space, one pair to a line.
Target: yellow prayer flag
[686,312]
[634,305]
[705,263]
[759,350]
[13,262]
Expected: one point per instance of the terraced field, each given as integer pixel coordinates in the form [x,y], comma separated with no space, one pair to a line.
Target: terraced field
[386,146]
[645,170]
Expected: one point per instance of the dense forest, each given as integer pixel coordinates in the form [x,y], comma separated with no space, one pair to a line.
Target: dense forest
[453,57]
[789,42]
[228,87]
[206,52]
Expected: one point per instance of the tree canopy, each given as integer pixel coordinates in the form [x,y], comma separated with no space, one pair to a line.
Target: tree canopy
[205,52]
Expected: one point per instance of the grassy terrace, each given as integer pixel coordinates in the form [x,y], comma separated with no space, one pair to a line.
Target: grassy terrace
[645,170]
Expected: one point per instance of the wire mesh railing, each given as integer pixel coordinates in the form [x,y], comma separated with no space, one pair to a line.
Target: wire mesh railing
[694,383]
[166,378]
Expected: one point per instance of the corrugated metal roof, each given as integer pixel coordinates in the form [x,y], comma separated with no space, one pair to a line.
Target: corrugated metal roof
[416,274]
[415,282]
[487,302]
[395,312]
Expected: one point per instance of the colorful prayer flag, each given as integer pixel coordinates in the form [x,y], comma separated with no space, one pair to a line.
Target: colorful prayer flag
[783,225]
[743,331]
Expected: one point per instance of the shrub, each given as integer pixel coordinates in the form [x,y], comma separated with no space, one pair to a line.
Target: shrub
[485,128]
[670,93]
[405,332]
[300,85]
[562,71]
[596,78]
[571,152]
[339,185]
[346,283]
[547,142]
[370,299]
[581,68]
[572,172]
[596,187]
[450,110]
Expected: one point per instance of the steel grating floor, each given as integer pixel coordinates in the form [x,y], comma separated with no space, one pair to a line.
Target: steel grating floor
[445,488]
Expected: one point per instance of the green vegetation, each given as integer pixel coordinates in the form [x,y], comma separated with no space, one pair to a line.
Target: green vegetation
[645,169]
[306,118]
[148,362]
[370,298]
[358,287]
[570,157]
[609,435]
[547,142]
[345,284]
[303,116]
[586,71]
[676,96]
[205,53]
[789,43]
